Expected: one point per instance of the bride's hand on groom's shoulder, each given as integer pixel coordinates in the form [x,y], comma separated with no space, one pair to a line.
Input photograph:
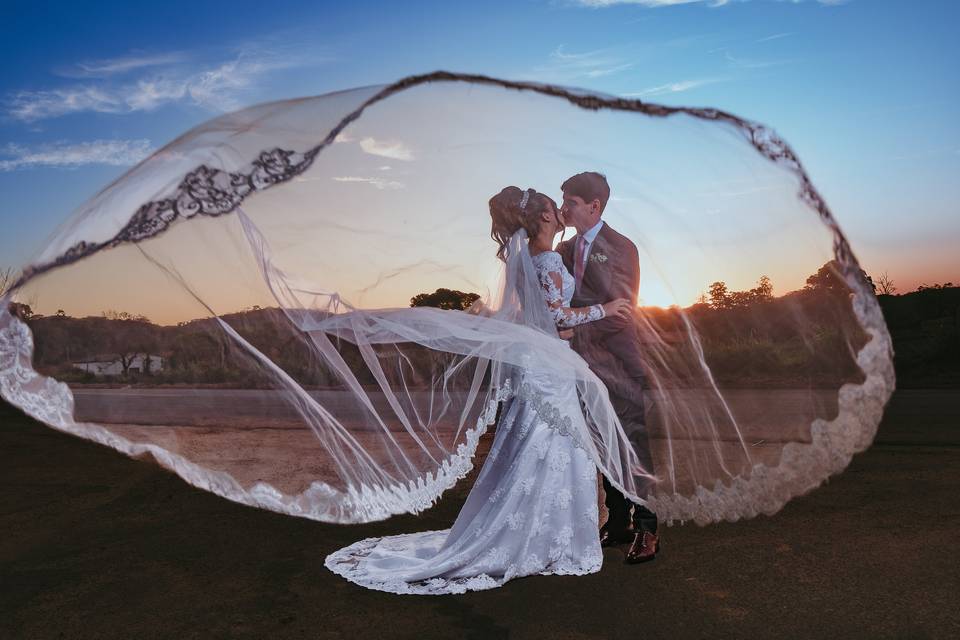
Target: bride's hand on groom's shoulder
[565,334]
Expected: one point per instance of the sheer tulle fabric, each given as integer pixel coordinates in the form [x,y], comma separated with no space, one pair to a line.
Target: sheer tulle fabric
[532,511]
[237,305]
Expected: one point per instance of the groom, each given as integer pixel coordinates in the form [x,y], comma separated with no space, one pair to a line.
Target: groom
[606,266]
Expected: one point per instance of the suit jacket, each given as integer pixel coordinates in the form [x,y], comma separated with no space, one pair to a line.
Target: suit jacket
[610,346]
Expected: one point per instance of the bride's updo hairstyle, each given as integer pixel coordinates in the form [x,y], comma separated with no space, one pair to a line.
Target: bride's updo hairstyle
[512,209]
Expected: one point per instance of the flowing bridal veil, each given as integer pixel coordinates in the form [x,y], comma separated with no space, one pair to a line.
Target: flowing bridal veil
[247,306]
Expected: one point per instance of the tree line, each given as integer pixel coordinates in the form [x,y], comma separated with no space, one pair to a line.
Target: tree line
[809,336]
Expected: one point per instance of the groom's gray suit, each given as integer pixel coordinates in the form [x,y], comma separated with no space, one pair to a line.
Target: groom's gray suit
[611,346]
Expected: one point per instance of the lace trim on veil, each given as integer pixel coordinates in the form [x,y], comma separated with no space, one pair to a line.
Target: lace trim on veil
[51,402]
[803,467]
[211,191]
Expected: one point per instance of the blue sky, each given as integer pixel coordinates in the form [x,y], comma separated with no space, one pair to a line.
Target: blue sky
[865,90]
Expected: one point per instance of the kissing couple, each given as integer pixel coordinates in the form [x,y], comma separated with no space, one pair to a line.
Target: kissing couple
[534,507]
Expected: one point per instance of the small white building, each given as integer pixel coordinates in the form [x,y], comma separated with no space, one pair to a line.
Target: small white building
[112,366]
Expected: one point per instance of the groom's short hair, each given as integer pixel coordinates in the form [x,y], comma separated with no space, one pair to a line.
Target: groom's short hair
[588,186]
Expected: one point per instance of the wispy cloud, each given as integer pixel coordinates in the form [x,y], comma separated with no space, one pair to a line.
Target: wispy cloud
[67,155]
[219,87]
[565,66]
[775,36]
[740,43]
[393,149]
[378,183]
[29,106]
[674,87]
[120,65]
[597,73]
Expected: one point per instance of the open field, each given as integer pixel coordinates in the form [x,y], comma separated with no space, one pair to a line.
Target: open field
[99,546]
[771,414]
[258,436]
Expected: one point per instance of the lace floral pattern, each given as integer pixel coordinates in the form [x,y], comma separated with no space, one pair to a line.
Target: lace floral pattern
[205,191]
[210,191]
[558,284]
[532,511]
[40,397]
[802,467]
[551,415]
[51,402]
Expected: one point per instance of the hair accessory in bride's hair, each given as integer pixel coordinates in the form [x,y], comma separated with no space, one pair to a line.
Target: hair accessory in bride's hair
[524,199]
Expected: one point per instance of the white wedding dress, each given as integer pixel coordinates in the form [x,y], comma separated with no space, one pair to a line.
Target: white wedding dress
[533,509]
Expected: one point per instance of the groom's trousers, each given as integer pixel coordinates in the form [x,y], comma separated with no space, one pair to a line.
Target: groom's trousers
[617,361]
[631,411]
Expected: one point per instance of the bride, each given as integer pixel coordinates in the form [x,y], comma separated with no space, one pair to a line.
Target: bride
[533,509]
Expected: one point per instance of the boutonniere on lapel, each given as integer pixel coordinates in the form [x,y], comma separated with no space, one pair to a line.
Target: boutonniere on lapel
[599,258]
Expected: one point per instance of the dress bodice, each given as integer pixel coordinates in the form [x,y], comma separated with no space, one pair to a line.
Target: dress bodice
[558,286]
[550,261]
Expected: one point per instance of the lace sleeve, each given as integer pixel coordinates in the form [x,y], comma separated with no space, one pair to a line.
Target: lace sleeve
[552,283]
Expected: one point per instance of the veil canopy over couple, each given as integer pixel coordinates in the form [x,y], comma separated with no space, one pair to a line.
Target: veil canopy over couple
[534,507]
[235,307]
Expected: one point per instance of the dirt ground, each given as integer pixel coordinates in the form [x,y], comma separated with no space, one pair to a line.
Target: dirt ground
[96,545]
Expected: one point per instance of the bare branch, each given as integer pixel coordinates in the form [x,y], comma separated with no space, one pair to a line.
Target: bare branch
[7,277]
[885,286]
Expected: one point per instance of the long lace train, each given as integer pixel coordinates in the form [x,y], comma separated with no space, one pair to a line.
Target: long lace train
[532,511]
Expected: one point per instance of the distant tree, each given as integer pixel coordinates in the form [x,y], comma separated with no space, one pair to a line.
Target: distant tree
[449,299]
[764,289]
[7,277]
[130,336]
[827,279]
[885,286]
[199,349]
[927,287]
[739,299]
[111,314]
[22,311]
[719,297]
[723,298]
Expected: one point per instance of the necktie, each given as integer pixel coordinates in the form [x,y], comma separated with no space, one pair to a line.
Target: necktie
[578,259]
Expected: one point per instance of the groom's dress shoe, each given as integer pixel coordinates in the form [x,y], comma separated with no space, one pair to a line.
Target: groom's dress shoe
[644,547]
[612,537]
